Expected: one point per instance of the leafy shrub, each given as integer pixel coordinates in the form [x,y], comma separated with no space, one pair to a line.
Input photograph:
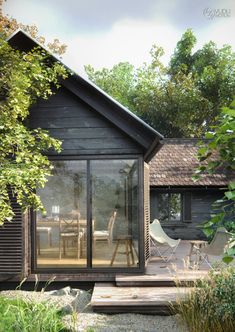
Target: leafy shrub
[210,307]
[18,315]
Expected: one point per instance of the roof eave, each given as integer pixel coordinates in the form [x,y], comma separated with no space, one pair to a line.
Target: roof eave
[153,149]
[150,137]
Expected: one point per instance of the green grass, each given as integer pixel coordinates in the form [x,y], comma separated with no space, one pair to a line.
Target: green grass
[18,315]
[211,305]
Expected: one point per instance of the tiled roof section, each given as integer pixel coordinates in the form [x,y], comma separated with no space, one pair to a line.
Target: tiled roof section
[175,163]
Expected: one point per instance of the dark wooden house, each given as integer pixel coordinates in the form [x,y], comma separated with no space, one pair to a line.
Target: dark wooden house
[97,199]
[175,199]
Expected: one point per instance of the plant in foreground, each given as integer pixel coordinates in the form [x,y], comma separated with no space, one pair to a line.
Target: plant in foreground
[210,307]
[19,315]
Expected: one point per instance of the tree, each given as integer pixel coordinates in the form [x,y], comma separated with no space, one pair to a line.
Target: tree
[182,59]
[24,77]
[118,82]
[181,99]
[213,72]
[8,25]
[221,144]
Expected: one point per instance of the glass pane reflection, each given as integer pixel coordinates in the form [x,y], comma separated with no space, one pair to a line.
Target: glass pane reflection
[115,212]
[61,233]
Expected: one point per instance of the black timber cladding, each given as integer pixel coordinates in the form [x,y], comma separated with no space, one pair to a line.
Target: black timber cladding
[89,122]
[82,130]
[197,208]
[11,246]
[107,107]
[110,109]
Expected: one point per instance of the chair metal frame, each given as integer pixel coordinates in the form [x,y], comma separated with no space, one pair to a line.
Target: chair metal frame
[159,239]
[215,248]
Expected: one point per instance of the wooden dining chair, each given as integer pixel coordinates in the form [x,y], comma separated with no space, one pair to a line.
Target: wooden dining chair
[47,231]
[69,230]
[107,234]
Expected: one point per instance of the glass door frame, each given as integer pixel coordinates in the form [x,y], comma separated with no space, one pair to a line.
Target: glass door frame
[89,268]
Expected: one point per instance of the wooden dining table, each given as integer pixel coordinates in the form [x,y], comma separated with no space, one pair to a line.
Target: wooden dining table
[55,223]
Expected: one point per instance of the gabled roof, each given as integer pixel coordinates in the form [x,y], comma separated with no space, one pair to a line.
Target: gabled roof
[175,164]
[120,116]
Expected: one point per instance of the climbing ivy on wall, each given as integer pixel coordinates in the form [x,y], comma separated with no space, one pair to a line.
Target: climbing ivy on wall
[24,77]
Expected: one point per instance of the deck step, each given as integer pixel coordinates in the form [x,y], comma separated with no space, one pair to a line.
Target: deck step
[160,280]
[107,298]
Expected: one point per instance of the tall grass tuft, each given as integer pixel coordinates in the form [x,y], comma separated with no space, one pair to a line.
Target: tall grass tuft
[210,307]
[18,315]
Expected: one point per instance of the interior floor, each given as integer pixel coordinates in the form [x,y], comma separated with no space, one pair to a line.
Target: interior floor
[103,256]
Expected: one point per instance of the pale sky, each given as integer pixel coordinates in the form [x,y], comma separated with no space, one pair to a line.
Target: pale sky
[105,32]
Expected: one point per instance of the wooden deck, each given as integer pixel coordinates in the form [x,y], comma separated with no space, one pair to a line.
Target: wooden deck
[177,271]
[154,291]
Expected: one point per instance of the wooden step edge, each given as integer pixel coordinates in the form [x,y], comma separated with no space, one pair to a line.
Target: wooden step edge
[105,300]
[157,283]
[149,310]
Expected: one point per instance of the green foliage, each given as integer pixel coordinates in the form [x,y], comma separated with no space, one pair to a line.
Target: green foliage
[210,307]
[18,315]
[181,99]
[182,59]
[8,25]
[24,78]
[117,82]
[222,146]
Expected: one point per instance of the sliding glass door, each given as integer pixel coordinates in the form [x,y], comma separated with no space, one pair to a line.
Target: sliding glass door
[61,231]
[115,213]
[92,215]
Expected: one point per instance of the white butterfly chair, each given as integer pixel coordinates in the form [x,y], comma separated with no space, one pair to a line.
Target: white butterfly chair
[217,247]
[163,244]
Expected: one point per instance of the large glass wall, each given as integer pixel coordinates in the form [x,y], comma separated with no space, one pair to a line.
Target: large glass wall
[112,201]
[115,213]
[61,232]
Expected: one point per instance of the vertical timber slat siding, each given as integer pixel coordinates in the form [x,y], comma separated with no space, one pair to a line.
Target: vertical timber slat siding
[11,246]
[146,213]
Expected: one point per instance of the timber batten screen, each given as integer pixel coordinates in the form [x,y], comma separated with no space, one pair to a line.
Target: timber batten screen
[11,243]
[146,213]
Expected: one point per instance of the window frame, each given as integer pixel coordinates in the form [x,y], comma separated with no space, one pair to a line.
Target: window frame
[168,200]
[186,205]
[89,268]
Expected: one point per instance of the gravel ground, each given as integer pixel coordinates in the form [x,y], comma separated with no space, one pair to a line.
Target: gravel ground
[78,313]
[126,323]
